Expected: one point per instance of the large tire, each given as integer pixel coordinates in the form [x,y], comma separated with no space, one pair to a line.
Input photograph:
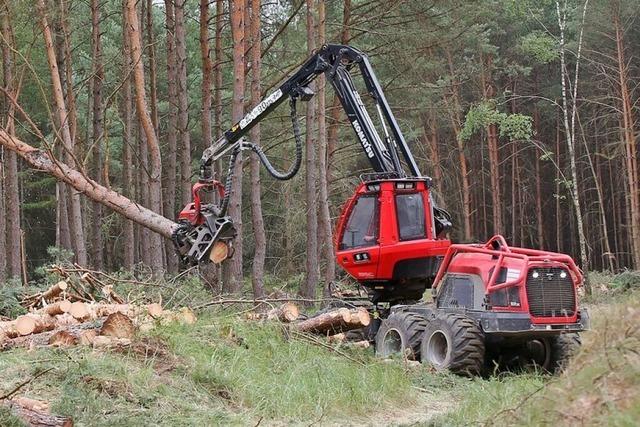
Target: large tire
[453,342]
[563,348]
[401,333]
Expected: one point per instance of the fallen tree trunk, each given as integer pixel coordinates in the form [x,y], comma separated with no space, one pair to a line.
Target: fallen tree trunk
[334,322]
[36,413]
[43,161]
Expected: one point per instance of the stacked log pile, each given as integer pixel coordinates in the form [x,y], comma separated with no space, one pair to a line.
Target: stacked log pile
[60,318]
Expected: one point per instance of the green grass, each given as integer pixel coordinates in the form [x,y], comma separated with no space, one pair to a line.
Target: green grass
[227,371]
[219,372]
[600,387]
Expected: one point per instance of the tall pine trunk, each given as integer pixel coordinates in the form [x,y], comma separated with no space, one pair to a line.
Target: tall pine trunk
[62,120]
[233,268]
[150,137]
[257,221]
[97,132]
[129,241]
[183,102]
[10,193]
[325,231]
[629,136]
[312,277]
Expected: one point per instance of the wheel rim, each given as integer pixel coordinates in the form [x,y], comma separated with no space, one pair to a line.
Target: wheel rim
[539,353]
[392,342]
[437,348]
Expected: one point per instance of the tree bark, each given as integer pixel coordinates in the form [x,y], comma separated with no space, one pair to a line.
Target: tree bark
[151,49]
[35,413]
[325,231]
[312,277]
[171,159]
[257,277]
[62,118]
[456,122]
[217,71]
[233,269]
[570,130]
[628,132]
[155,166]
[10,195]
[207,67]
[129,241]
[97,132]
[334,322]
[43,161]
[183,101]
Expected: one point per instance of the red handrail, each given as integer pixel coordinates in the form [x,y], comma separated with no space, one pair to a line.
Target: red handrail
[504,251]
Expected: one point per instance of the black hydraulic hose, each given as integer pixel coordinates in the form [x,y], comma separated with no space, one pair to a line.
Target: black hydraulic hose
[295,167]
[283,176]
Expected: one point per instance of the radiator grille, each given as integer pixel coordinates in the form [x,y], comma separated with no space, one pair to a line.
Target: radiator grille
[549,294]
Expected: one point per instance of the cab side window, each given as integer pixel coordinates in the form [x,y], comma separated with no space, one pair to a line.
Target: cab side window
[362,226]
[410,213]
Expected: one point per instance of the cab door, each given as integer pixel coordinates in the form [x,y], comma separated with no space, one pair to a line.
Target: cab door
[358,247]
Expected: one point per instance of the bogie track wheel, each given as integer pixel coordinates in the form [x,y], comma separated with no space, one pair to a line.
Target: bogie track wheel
[453,342]
[401,333]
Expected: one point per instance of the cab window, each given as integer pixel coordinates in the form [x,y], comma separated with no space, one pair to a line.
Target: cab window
[410,212]
[362,226]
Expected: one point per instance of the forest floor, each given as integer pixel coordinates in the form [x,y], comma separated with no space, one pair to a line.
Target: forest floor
[227,371]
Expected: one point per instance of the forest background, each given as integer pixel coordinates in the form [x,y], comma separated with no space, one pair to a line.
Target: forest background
[523,112]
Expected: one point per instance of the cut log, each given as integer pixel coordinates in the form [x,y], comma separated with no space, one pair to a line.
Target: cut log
[287,312]
[8,329]
[36,413]
[219,252]
[55,290]
[336,321]
[58,307]
[63,339]
[155,310]
[118,325]
[79,310]
[88,337]
[43,161]
[34,324]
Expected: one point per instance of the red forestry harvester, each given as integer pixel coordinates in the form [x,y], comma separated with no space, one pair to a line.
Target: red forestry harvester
[491,302]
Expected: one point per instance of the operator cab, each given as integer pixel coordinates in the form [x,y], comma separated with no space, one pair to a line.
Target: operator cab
[391,238]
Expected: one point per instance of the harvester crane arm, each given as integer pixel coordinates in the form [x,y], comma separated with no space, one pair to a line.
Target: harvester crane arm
[335,61]
[204,225]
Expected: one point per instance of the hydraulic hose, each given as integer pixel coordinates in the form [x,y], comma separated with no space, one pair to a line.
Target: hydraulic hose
[221,210]
[295,167]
